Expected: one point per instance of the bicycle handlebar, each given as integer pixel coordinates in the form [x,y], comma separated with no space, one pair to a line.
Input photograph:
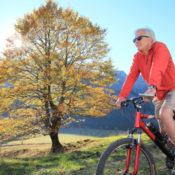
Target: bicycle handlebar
[134,100]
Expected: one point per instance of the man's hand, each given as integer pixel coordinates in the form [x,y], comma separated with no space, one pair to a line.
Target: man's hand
[119,101]
[150,91]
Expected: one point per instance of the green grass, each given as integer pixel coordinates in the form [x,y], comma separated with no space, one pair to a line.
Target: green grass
[32,157]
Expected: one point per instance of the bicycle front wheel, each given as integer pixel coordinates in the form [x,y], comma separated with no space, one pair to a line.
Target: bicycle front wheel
[113,160]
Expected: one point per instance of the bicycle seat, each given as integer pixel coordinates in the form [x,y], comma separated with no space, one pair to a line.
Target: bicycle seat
[147,95]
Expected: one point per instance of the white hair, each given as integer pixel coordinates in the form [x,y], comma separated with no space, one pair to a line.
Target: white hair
[148,32]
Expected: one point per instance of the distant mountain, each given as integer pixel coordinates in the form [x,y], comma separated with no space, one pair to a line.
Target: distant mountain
[140,85]
[122,119]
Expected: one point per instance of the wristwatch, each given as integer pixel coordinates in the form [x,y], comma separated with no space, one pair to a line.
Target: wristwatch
[152,86]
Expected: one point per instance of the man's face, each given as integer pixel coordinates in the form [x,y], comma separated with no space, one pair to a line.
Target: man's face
[143,43]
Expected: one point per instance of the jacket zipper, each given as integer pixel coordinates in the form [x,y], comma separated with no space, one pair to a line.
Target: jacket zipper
[146,60]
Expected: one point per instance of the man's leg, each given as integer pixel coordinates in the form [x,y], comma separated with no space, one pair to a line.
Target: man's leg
[166,116]
[157,107]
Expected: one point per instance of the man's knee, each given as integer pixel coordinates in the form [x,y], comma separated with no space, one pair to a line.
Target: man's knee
[166,112]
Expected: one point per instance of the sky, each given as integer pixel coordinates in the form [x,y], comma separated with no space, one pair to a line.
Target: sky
[119,17]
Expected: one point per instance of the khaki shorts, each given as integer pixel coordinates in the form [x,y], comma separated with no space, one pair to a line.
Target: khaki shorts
[168,101]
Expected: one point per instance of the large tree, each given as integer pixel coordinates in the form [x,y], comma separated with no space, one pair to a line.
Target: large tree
[61,71]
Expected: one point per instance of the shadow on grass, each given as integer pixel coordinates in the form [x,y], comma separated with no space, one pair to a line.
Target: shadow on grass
[26,166]
[74,163]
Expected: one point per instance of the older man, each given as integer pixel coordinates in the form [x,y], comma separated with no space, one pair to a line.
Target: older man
[154,62]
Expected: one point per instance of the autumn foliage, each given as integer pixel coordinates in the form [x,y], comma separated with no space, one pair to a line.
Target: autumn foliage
[61,71]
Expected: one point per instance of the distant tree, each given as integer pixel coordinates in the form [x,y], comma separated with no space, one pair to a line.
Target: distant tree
[60,72]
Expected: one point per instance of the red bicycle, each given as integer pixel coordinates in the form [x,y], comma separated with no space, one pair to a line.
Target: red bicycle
[129,156]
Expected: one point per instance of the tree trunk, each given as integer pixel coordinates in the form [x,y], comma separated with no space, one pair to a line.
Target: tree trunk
[56,145]
[54,127]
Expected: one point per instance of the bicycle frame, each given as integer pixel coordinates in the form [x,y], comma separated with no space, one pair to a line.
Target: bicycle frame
[138,126]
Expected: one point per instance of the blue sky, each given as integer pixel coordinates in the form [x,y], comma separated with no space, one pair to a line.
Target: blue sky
[120,17]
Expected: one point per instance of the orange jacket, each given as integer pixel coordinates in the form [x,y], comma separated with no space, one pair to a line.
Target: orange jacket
[157,68]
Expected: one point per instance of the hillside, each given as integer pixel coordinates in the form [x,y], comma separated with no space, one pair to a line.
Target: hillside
[80,156]
[118,119]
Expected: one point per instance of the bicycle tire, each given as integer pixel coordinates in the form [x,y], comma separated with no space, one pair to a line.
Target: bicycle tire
[112,160]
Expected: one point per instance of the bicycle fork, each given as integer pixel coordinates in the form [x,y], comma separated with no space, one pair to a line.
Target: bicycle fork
[129,150]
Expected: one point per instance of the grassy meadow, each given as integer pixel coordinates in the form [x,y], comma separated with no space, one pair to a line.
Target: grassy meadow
[80,156]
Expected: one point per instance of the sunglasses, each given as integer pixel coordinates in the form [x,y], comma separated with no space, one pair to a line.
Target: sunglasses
[139,38]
